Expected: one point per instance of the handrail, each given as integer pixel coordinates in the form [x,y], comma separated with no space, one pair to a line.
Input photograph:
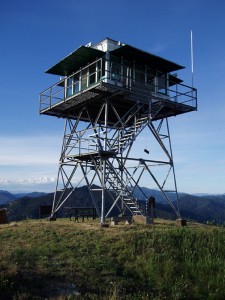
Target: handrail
[94,74]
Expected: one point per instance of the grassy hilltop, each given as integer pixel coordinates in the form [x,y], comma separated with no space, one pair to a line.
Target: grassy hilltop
[55,260]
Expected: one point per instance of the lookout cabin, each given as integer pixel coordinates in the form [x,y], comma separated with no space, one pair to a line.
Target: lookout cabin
[120,72]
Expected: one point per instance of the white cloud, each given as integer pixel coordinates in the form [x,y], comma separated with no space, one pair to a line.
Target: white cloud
[28,163]
[27,181]
[158,48]
[41,184]
[31,181]
[26,150]
[4,182]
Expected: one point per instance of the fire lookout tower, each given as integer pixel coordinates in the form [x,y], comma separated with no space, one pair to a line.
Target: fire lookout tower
[110,94]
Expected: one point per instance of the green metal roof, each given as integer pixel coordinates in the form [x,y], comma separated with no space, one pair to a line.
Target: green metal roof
[75,60]
[84,55]
[144,58]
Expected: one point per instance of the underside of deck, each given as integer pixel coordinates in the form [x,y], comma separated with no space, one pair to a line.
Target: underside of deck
[121,99]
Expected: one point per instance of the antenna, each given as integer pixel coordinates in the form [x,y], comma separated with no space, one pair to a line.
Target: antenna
[192,60]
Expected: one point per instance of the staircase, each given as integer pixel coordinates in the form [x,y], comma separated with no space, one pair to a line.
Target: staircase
[130,134]
[119,187]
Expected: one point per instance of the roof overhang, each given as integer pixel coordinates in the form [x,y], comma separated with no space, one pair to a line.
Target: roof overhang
[145,58]
[84,55]
[173,79]
[75,60]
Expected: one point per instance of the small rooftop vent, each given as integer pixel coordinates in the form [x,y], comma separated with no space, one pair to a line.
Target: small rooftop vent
[89,44]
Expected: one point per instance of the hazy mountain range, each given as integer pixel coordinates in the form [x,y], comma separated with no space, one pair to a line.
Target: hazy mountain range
[204,208]
[6,197]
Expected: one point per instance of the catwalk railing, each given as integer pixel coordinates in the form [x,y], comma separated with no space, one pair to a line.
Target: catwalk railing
[136,82]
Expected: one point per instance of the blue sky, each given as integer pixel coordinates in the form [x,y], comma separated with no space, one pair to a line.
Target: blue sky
[37,34]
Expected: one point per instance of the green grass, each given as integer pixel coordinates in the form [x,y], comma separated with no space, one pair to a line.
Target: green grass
[40,259]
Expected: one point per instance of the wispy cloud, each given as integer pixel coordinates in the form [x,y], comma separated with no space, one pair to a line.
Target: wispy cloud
[25,150]
[29,163]
[28,181]
[157,48]
[42,184]
[40,180]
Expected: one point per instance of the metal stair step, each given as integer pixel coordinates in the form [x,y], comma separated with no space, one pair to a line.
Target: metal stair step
[131,131]
[142,117]
[125,138]
[139,121]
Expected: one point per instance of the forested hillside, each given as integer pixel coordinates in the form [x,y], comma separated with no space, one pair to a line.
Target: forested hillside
[202,209]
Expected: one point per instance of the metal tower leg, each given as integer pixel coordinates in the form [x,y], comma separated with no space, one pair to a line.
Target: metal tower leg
[100,155]
[103,164]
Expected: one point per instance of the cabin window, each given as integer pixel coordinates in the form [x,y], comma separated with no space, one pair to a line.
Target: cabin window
[115,71]
[162,84]
[151,81]
[72,85]
[139,76]
[100,72]
[69,91]
[92,74]
[84,80]
[76,83]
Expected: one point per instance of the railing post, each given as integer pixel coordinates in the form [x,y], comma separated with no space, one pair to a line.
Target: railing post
[50,96]
[107,65]
[101,69]
[79,143]
[80,80]
[196,103]
[39,103]
[65,88]
[176,93]
[96,72]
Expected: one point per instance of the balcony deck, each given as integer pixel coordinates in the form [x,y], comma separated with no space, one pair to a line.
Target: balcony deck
[123,93]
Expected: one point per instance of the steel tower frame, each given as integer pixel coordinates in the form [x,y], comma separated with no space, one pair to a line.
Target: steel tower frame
[105,114]
[101,153]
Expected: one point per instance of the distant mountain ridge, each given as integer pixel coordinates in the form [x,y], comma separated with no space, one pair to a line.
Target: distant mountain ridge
[198,208]
[155,193]
[205,208]
[6,197]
